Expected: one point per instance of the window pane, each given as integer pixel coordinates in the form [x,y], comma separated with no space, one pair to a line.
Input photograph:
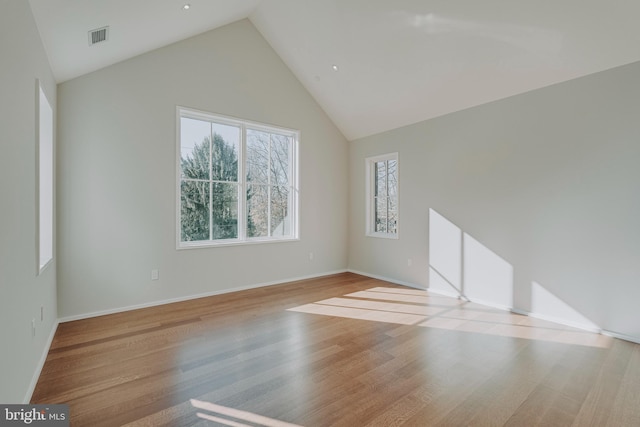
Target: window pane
[224,211]
[280,159]
[381,215]
[392,220]
[195,136]
[194,208]
[393,204]
[257,210]
[381,179]
[224,152]
[280,221]
[257,156]
[392,172]
[392,191]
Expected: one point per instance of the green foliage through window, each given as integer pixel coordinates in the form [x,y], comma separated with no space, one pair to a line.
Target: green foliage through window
[216,202]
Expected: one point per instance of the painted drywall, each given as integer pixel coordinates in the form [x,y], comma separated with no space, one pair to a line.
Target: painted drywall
[117,174]
[22,290]
[538,193]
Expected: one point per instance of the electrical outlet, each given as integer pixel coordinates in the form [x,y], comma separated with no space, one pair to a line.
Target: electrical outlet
[155,274]
[409,262]
[310,256]
[33,327]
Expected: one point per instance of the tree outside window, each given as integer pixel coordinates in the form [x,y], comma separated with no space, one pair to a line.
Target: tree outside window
[237,181]
[382,196]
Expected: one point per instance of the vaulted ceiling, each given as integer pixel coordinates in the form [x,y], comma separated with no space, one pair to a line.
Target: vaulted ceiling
[398,62]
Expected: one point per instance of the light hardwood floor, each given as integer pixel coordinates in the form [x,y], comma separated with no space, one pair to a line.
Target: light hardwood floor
[342,350]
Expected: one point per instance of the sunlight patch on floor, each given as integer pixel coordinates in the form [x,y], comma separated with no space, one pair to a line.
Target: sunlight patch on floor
[416,307]
[235,417]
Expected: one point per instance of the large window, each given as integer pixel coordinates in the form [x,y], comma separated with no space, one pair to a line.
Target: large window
[382,195]
[237,181]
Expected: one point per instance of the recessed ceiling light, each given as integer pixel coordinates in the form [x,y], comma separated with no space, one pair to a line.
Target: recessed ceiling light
[334,67]
[186,7]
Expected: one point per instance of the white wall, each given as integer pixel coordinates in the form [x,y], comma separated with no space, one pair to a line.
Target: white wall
[541,193]
[22,291]
[116,174]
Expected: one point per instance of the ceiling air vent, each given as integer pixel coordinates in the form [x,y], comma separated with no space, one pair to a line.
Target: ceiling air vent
[98,35]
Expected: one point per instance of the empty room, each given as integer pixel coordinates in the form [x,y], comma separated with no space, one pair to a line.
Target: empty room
[287,213]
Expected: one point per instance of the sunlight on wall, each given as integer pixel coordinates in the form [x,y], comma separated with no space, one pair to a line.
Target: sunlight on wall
[549,306]
[461,266]
[487,277]
[445,255]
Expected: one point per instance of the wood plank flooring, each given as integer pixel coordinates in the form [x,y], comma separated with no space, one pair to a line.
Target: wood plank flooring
[342,350]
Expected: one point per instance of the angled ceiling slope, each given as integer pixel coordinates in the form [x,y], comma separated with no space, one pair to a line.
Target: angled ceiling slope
[135,27]
[397,62]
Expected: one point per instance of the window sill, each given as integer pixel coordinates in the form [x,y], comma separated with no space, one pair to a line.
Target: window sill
[223,243]
[383,235]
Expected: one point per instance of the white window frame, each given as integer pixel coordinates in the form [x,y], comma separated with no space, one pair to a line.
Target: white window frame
[242,238]
[45,159]
[370,163]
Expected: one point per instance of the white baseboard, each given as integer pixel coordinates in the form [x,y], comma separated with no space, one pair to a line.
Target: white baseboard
[387,279]
[625,337]
[444,293]
[43,359]
[489,304]
[191,297]
[577,325]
